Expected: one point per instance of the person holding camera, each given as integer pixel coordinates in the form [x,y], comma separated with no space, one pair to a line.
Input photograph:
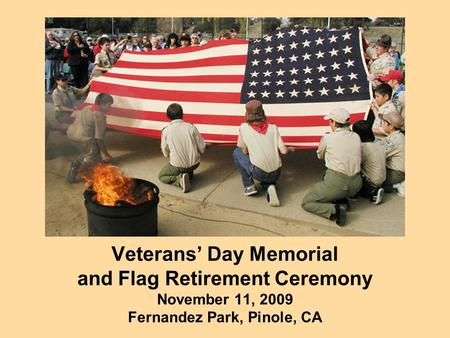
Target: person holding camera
[78,61]
[53,57]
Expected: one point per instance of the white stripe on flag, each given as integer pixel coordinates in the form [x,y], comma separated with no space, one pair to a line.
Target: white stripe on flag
[210,70]
[183,86]
[229,50]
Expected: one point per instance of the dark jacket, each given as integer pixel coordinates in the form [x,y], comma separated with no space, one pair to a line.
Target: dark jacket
[52,53]
[75,58]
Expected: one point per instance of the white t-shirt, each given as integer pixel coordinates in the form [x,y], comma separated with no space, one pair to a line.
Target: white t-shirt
[263,149]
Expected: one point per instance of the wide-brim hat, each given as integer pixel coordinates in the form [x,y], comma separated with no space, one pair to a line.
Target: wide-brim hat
[254,110]
[384,41]
[393,118]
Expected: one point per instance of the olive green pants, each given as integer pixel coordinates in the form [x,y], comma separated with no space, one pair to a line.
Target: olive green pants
[89,152]
[334,186]
[392,177]
[170,174]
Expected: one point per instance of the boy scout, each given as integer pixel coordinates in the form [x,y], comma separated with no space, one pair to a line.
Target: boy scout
[394,79]
[382,62]
[382,104]
[88,132]
[64,98]
[373,163]
[394,146]
[341,150]
[105,59]
[183,144]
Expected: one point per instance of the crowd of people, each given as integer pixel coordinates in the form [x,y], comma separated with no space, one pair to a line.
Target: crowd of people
[363,160]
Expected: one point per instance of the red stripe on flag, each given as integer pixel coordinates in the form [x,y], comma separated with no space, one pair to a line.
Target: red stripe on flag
[188,79]
[206,62]
[165,95]
[190,49]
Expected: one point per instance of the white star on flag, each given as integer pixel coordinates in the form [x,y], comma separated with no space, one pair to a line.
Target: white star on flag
[294,93]
[268,61]
[333,52]
[256,51]
[251,94]
[320,54]
[308,80]
[318,30]
[280,72]
[265,93]
[324,91]
[267,73]
[255,62]
[321,68]
[308,92]
[347,35]
[353,76]
[293,58]
[305,30]
[355,88]
[268,49]
[280,59]
[279,93]
[280,47]
[306,43]
[319,41]
[336,65]
[307,70]
[280,82]
[293,82]
[280,35]
[306,56]
[253,83]
[337,78]
[347,49]
[254,74]
[350,63]
[266,83]
[323,79]
[339,90]
[294,71]
[333,38]
[268,38]
[292,32]
[293,45]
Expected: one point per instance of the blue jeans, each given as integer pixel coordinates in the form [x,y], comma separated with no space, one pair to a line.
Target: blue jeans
[250,171]
[51,68]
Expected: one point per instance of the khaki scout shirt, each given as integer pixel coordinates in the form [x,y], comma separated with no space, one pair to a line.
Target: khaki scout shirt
[394,146]
[341,150]
[182,142]
[263,149]
[381,66]
[88,125]
[373,164]
[65,97]
[387,107]
[105,59]
[399,102]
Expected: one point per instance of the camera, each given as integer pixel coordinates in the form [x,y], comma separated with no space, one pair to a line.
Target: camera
[129,37]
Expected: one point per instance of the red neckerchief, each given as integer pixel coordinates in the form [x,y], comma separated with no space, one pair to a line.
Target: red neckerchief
[95,107]
[260,127]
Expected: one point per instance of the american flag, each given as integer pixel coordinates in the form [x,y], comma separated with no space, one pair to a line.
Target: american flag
[299,74]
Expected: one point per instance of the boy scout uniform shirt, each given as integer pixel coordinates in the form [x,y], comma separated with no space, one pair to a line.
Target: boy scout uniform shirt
[373,162]
[65,97]
[341,150]
[394,146]
[105,59]
[398,98]
[88,125]
[380,65]
[183,143]
[386,107]
[263,149]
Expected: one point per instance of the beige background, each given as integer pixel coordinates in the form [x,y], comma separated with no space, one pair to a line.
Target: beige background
[409,293]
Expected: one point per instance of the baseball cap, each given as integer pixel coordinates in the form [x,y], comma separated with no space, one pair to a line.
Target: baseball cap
[105,36]
[88,38]
[339,115]
[60,76]
[392,75]
[393,118]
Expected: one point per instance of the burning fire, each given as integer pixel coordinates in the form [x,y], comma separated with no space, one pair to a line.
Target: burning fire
[113,188]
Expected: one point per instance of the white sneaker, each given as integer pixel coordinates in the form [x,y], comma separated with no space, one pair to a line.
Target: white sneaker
[378,197]
[272,196]
[251,190]
[185,183]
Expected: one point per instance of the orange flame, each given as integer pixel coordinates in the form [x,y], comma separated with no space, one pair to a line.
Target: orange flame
[112,186]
